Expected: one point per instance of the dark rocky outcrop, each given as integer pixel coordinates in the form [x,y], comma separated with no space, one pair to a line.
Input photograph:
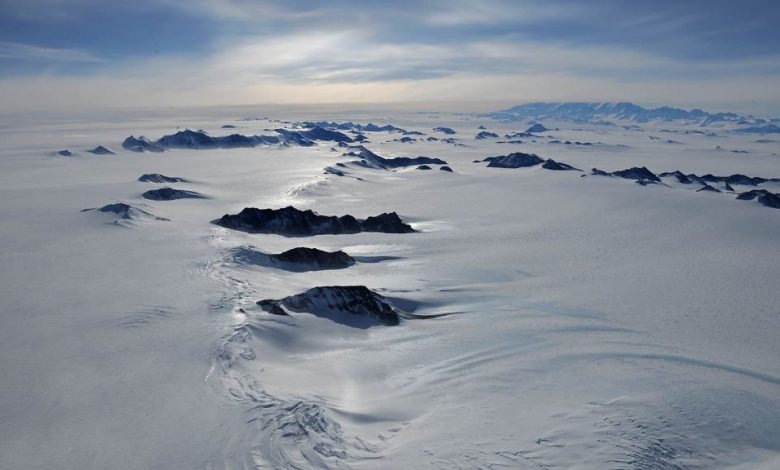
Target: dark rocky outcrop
[376,161]
[125,212]
[141,144]
[158,178]
[299,259]
[187,139]
[514,160]
[445,130]
[292,222]
[679,175]
[65,153]
[319,133]
[636,173]
[423,167]
[388,222]
[764,197]
[551,164]
[536,128]
[633,173]
[169,194]
[356,306]
[708,188]
[486,135]
[315,257]
[100,150]
[445,168]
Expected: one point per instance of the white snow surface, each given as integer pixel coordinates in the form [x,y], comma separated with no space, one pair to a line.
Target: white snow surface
[596,323]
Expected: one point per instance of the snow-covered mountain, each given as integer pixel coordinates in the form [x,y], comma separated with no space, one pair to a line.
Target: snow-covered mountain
[625,111]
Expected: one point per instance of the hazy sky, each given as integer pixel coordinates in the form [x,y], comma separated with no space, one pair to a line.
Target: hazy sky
[76,54]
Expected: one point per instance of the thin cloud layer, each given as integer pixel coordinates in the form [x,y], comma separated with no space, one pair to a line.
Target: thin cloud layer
[228,51]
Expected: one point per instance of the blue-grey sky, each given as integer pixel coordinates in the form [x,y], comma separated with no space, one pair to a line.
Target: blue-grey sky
[81,53]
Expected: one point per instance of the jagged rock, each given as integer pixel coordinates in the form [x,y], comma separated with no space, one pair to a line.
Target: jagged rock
[445,168]
[319,133]
[100,150]
[536,128]
[515,135]
[388,222]
[292,222]
[764,197]
[169,194]
[634,173]
[332,171]
[356,306]
[158,178]
[187,139]
[514,160]
[728,187]
[314,257]
[65,153]
[125,212]
[709,188]
[551,164]
[272,306]
[141,144]
[423,167]
[681,177]
[389,163]
[486,135]
[445,130]
[406,140]
[743,180]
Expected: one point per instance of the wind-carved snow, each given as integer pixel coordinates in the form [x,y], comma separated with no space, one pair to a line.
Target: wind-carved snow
[585,322]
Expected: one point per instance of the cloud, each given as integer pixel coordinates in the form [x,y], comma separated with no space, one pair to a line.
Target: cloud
[230,51]
[26,52]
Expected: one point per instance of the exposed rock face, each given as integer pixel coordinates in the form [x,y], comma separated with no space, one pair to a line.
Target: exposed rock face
[318,259]
[551,164]
[100,150]
[764,197]
[295,260]
[65,153]
[445,130]
[423,167]
[634,173]
[125,212]
[158,178]
[141,144]
[389,163]
[318,133]
[486,135]
[169,194]
[514,160]
[536,128]
[708,188]
[388,222]
[445,168]
[292,222]
[356,306]
[680,176]
[736,178]
[187,139]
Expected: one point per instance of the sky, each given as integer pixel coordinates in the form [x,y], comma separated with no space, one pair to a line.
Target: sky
[81,54]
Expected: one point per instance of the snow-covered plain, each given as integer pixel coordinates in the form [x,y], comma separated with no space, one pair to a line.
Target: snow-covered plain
[596,323]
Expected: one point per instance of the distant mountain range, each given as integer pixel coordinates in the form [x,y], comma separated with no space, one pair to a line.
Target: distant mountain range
[605,113]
